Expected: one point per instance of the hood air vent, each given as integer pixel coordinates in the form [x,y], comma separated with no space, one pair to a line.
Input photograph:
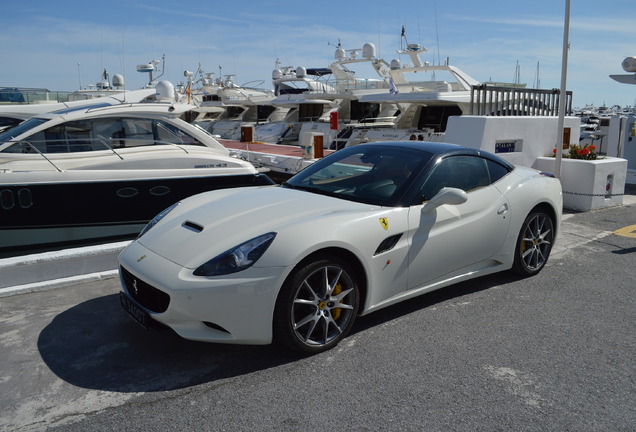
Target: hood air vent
[193,226]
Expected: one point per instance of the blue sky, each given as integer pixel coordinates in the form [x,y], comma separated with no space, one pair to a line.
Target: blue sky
[42,41]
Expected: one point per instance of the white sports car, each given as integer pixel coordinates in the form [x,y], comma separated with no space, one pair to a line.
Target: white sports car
[366,227]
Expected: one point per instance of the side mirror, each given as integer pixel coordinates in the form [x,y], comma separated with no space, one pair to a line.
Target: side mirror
[447,195]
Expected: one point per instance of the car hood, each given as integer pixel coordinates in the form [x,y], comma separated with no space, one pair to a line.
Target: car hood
[208,224]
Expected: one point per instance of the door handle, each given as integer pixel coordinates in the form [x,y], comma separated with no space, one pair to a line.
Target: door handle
[503,209]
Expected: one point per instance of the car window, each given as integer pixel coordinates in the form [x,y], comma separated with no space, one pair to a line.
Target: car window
[496,170]
[372,175]
[463,172]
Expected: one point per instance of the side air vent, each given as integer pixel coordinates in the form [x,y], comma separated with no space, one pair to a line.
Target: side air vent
[193,226]
[388,244]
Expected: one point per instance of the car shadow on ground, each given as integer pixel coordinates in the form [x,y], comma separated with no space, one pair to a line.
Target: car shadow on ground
[433,298]
[95,345]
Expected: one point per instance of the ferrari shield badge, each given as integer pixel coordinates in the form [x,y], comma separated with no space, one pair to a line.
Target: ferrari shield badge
[385,223]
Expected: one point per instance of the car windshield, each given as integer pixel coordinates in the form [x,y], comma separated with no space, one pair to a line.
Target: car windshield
[371,174]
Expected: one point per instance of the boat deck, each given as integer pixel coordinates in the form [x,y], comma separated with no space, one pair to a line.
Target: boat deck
[283,159]
[261,147]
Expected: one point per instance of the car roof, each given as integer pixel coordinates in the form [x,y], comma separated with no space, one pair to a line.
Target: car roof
[440,149]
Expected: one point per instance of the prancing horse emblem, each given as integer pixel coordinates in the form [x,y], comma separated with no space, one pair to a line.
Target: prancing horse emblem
[135,289]
[385,223]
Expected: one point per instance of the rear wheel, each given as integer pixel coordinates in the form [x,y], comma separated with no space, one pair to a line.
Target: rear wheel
[534,244]
[317,305]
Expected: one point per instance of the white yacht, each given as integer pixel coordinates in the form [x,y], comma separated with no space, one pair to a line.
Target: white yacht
[14,114]
[105,170]
[421,97]
[322,99]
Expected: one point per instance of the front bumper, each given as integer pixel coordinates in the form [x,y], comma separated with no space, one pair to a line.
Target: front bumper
[237,308]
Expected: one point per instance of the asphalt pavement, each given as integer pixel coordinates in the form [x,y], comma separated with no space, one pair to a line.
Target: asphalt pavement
[550,353]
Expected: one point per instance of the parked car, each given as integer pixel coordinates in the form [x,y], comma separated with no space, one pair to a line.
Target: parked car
[365,228]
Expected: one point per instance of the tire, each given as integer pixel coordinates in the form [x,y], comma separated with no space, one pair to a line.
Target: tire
[534,244]
[317,305]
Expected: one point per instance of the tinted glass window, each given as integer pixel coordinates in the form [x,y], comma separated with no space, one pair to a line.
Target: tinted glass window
[370,174]
[461,172]
[496,170]
[172,134]
[19,130]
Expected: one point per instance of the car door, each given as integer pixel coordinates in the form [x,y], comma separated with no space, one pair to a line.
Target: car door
[452,238]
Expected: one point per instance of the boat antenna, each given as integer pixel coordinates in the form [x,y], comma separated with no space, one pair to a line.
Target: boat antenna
[439,62]
[403,38]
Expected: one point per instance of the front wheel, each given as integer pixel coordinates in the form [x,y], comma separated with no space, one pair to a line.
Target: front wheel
[534,244]
[317,305]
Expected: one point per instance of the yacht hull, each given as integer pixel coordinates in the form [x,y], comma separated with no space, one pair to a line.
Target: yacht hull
[39,214]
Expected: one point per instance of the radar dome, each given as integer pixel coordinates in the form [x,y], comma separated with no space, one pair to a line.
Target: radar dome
[118,80]
[629,64]
[301,72]
[340,54]
[368,50]
[395,64]
[164,91]
[277,74]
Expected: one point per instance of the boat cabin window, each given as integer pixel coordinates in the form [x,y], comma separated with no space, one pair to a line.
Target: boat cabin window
[102,134]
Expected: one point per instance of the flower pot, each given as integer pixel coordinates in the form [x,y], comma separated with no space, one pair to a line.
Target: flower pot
[589,184]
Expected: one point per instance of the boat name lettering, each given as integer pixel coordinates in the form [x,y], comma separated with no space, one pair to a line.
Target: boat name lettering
[221,165]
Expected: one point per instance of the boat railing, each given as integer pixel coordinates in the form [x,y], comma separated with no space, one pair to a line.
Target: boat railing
[491,100]
[370,120]
[338,86]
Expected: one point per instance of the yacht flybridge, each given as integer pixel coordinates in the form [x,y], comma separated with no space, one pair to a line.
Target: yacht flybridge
[105,170]
[422,96]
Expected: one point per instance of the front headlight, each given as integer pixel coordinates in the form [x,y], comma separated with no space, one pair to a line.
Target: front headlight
[157,218]
[238,258]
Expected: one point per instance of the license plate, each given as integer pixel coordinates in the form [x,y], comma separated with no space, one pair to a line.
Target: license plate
[139,315]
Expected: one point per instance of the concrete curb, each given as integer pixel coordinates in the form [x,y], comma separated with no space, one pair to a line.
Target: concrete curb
[49,270]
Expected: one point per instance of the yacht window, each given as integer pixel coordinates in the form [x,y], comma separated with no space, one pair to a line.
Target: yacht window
[51,140]
[108,132]
[18,130]
[138,132]
[167,133]
[78,136]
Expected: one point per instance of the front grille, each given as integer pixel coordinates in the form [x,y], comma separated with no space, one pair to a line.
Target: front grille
[145,294]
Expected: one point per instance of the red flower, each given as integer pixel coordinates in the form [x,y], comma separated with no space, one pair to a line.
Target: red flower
[592,147]
[579,151]
[585,151]
[554,151]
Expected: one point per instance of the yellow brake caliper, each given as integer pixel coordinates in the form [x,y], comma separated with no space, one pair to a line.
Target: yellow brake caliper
[335,313]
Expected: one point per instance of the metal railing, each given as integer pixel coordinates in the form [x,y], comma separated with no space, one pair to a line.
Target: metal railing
[511,101]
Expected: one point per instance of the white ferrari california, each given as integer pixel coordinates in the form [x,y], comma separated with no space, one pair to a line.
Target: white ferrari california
[362,229]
